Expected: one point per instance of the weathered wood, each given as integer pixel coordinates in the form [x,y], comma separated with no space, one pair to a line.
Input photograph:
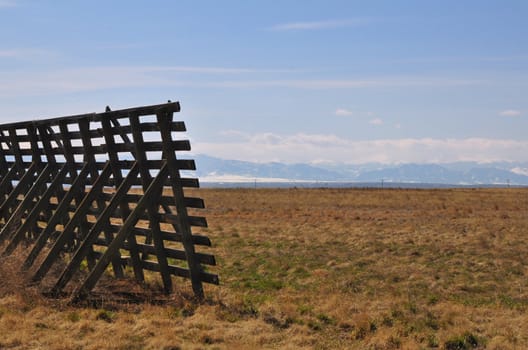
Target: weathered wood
[116,172]
[109,181]
[152,208]
[3,162]
[168,236]
[25,181]
[164,118]
[172,253]
[57,217]
[33,141]
[78,191]
[72,224]
[181,272]
[122,235]
[192,220]
[15,220]
[14,143]
[89,240]
[89,157]
[6,185]
[40,206]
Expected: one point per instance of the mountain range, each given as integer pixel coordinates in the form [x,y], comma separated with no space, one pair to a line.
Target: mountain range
[211,169]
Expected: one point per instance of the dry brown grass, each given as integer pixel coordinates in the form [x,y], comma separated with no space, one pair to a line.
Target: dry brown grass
[324,269]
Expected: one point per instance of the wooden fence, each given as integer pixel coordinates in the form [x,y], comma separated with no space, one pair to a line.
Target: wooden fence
[88,191]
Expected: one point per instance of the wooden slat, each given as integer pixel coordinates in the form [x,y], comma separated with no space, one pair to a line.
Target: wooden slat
[123,204]
[207,259]
[100,225]
[25,182]
[152,209]
[123,113]
[180,145]
[65,235]
[180,272]
[146,127]
[164,118]
[37,208]
[192,220]
[15,220]
[121,236]
[89,157]
[169,236]
[64,181]
[5,185]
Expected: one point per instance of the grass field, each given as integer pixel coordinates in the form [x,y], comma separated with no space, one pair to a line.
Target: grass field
[319,269]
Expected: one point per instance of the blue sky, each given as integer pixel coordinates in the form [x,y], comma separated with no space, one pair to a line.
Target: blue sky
[293,81]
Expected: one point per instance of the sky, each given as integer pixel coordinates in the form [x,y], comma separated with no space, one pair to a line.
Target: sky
[291,81]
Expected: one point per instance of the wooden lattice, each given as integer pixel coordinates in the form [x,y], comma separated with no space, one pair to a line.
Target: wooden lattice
[101,189]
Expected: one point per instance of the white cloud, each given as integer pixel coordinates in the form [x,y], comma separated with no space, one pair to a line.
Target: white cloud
[22,53]
[211,70]
[510,113]
[8,3]
[520,171]
[301,147]
[342,112]
[9,53]
[234,134]
[376,121]
[324,84]
[454,59]
[25,83]
[314,25]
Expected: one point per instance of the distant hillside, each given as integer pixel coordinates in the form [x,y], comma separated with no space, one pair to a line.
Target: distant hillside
[468,173]
[215,167]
